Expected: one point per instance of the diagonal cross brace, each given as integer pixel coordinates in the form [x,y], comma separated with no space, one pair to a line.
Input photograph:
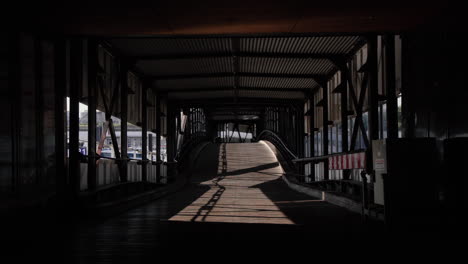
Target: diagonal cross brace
[109,125]
[358,104]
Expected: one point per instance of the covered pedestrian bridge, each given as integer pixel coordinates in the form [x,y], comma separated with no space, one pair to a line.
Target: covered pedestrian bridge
[134,134]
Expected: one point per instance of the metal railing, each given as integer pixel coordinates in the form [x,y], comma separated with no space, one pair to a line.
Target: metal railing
[184,150]
[284,150]
[355,189]
[107,171]
[323,158]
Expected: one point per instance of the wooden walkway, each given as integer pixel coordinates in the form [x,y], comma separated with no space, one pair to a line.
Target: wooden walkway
[236,197]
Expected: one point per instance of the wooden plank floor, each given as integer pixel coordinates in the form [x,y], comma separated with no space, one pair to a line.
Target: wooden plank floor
[236,196]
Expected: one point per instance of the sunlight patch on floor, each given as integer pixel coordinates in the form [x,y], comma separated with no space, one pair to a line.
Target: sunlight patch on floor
[233,206]
[233,196]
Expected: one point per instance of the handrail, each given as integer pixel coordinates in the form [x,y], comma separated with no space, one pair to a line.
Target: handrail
[98,157]
[186,146]
[279,140]
[325,157]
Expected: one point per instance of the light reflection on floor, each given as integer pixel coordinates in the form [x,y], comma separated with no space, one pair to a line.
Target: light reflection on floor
[235,195]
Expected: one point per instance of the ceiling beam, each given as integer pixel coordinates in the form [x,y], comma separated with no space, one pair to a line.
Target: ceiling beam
[329,56]
[317,77]
[235,42]
[225,101]
[268,89]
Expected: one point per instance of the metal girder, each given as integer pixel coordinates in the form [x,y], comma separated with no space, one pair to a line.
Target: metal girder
[317,77]
[92,101]
[235,48]
[221,111]
[76,58]
[357,104]
[312,135]
[318,56]
[269,89]
[373,97]
[325,128]
[228,101]
[390,85]
[60,116]
[231,111]
[144,130]
[124,118]
[158,137]
[109,108]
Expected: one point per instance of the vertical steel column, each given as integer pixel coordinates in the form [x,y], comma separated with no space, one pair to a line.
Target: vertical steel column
[226,132]
[276,113]
[407,112]
[271,122]
[14,68]
[267,118]
[123,118]
[170,146]
[390,83]
[179,122]
[280,120]
[312,135]
[39,117]
[158,137]
[144,131]
[292,128]
[344,113]
[60,121]
[197,127]
[92,85]
[75,88]
[373,97]
[293,139]
[344,110]
[301,131]
[192,119]
[194,122]
[301,134]
[324,85]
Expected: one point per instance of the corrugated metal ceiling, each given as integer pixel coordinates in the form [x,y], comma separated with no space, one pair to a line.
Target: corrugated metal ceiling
[171,46]
[294,45]
[201,95]
[271,94]
[286,65]
[272,82]
[178,61]
[186,66]
[194,83]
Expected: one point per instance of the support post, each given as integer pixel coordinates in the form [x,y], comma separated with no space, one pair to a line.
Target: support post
[158,137]
[39,117]
[407,112]
[60,121]
[344,114]
[92,86]
[390,83]
[373,98]
[170,146]
[124,119]
[324,85]
[144,132]
[300,134]
[74,123]
[312,135]
[15,92]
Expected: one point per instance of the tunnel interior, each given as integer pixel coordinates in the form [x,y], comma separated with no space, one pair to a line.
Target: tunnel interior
[258,121]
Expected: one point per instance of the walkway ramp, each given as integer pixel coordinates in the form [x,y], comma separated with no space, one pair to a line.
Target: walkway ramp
[235,195]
